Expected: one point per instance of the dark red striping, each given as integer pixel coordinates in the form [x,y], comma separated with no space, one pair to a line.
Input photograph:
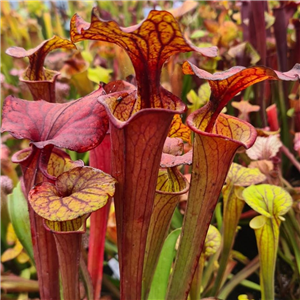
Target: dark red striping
[141,63]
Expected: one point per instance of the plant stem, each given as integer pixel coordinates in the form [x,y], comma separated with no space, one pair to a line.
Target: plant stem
[111,287]
[16,284]
[258,38]
[197,280]
[208,174]
[69,249]
[84,274]
[285,134]
[233,207]
[208,272]
[290,156]
[100,158]
[240,276]
[45,257]
[163,209]
[136,151]
[267,243]
[293,241]
[96,247]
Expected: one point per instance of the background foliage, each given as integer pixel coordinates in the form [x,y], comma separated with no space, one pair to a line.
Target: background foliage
[245,36]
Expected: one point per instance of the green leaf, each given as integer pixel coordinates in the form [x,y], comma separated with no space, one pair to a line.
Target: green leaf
[176,219]
[212,241]
[161,276]
[197,101]
[268,200]
[246,49]
[267,237]
[204,93]
[192,97]
[170,185]
[99,74]
[270,20]
[18,212]
[290,113]
[272,202]
[198,34]
[241,176]
[258,222]
[87,56]
[77,192]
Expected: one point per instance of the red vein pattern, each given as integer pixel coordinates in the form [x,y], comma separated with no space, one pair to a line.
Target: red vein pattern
[241,176]
[136,152]
[75,193]
[225,85]
[35,70]
[212,156]
[179,130]
[138,127]
[57,124]
[170,185]
[148,45]
[213,151]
